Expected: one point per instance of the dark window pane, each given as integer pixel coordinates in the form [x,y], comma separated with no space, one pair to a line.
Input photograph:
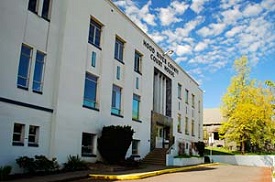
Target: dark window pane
[45,9]
[32,6]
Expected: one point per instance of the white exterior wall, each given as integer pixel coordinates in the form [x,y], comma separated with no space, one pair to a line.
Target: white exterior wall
[65,41]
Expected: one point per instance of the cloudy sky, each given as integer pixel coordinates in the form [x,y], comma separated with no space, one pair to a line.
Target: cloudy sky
[208,35]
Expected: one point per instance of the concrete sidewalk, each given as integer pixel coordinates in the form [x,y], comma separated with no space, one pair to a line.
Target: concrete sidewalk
[143,172]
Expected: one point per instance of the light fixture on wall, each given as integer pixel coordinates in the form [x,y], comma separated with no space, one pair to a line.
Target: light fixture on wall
[169,52]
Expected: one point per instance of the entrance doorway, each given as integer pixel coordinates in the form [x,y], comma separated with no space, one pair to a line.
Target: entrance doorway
[162,137]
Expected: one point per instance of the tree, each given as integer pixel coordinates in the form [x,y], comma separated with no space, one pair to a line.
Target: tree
[247,109]
[114,142]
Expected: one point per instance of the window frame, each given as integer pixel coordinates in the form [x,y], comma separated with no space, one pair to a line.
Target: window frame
[193,100]
[46,9]
[186,126]
[135,147]
[136,99]
[88,147]
[31,8]
[138,62]
[179,91]
[41,81]
[116,100]
[179,126]
[95,28]
[193,127]
[186,96]
[119,49]
[21,135]
[21,65]
[91,81]
[34,143]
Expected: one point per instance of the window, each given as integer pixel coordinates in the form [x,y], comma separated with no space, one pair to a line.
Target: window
[136,107]
[137,83]
[33,6]
[137,64]
[33,136]
[118,72]
[186,96]
[199,130]
[179,91]
[87,149]
[90,91]
[135,146]
[119,50]
[94,33]
[46,9]
[38,72]
[193,100]
[116,100]
[179,123]
[24,67]
[18,134]
[186,126]
[93,59]
[193,128]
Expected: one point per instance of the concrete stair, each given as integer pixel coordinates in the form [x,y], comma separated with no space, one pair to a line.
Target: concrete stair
[156,157]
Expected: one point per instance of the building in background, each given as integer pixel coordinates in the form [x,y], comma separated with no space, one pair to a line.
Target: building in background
[68,68]
[212,120]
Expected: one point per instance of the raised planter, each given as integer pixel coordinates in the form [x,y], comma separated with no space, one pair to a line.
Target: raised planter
[186,161]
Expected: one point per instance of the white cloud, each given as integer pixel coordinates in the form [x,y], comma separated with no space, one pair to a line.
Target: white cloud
[169,14]
[252,10]
[197,5]
[157,37]
[183,50]
[180,59]
[234,31]
[140,16]
[231,16]
[213,29]
[200,46]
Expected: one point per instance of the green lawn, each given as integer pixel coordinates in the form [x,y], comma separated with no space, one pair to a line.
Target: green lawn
[224,151]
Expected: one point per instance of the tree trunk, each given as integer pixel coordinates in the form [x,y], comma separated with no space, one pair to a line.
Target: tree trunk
[243,147]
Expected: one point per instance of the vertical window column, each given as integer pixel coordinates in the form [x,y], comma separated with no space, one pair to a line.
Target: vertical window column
[136,107]
[119,46]
[116,100]
[38,72]
[94,33]
[24,67]
[90,92]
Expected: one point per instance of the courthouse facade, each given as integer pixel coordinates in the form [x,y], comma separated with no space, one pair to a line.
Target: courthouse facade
[69,68]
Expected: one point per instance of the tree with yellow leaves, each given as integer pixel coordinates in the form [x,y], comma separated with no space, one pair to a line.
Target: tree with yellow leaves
[247,109]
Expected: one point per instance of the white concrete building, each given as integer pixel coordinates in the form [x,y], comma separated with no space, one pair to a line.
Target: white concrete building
[69,67]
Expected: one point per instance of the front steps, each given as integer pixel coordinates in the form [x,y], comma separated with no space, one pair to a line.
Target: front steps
[156,157]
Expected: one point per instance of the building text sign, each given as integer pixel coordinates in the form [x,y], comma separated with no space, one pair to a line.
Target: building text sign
[160,59]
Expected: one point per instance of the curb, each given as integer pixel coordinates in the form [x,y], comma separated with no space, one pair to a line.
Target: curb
[146,174]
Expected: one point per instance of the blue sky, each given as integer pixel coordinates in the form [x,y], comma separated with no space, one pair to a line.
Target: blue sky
[208,35]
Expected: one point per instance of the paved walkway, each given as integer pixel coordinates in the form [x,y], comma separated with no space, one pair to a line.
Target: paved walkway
[209,172]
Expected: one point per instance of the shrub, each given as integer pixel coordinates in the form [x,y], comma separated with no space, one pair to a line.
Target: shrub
[75,163]
[26,163]
[42,163]
[114,143]
[39,163]
[200,147]
[5,172]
